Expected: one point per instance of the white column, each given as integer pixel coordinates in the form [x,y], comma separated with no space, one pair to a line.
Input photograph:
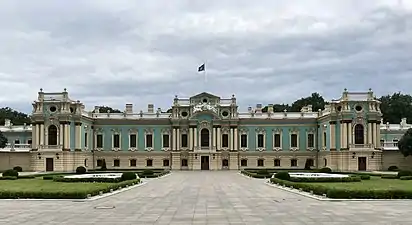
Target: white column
[77,137]
[34,136]
[178,139]
[190,138]
[174,139]
[370,132]
[214,137]
[341,135]
[235,147]
[195,137]
[66,136]
[41,134]
[350,136]
[332,136]
[374,134]
[345,135]
[231,139]
[219,136]
[61,135]
[38,134]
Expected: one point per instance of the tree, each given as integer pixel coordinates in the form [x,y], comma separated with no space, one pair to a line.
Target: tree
[405,144]
[278,108]
[105,109]
[3,140]
[395,107]
[16,117]
[315,99]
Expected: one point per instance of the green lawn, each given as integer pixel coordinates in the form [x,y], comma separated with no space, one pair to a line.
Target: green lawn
[38,184]
[375,183]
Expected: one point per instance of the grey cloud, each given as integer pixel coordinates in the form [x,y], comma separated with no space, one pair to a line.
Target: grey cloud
[140,52]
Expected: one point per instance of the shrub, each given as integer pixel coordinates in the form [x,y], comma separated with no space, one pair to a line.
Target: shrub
[263,172]
[87,180]
[81,170]
[282,175]
[389,176]
[129,176]
[27,177]
[48,177]
[147,172]
[325,170]
[393,168]
[10,173]
[404,173]
[365,177]
[18,168]
[406,178]
[8,178]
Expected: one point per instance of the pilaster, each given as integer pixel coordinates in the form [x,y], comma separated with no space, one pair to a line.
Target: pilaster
[235,142]
[374,135]
[332,134]
[350,134]
[178,139]
[41,134]
[345,135]
[34,136]
[174,139]
[370,133]
[231,139]
[191,138]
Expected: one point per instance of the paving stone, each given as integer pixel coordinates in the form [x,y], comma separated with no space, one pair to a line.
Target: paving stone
[204,197]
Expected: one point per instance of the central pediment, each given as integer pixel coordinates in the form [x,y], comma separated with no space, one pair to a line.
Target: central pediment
[205,95]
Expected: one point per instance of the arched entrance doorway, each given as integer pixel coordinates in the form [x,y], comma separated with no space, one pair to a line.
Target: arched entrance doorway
[359,134]
[204,138]
[52,135]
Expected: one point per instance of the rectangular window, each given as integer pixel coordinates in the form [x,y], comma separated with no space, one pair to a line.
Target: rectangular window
[243,141]
[184,141]
[311,140]
[324,139]
[293,162]
[99,162]
[225,141]
[99,141]
[149,162]
[116,163]
[166,162]
[85,140]
[260,141]
[294,140]
[133,162]
[133,141]
[277,162]
[166,143]
[243,162]
[276,141]
[149,140]
[116,141]
[260,163]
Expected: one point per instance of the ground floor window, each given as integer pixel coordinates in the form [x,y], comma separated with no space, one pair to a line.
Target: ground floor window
[166,162]
[325,162]
[277,162]
[225,162]
[99,162]
[184,162]
[260,162]
[293,162]
[85,162]
[133,162]
[116,163]
[149,162]
[243,162]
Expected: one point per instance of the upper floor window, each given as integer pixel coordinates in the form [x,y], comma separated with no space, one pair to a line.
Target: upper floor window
[149,140]
[243,141]
[133,141]
[276,141]
[294,140]
[311,140]
[166,141]
[184,141]
[116,141]
[99,141]
[225,140]
[260,141]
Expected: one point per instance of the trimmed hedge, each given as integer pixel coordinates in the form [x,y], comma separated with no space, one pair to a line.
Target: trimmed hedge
[8,178]
[255,175]
[154,175]
[404,173]
[10,173]
[129,176]
[389,176]
[63,195]
[282,175]
[18,168]
[87,180]
[325,170]
[81,170]
[346,193]
[325,179]
[406,178]
[365,177]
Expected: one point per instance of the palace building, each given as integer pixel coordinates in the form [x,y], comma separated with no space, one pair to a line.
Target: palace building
[204,132]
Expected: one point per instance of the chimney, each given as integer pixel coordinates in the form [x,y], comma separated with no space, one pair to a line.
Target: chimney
[150,108]
[403,122]
[249,109]
[129,108]
[7,123]
[258,108]
[96,109]
[270,108]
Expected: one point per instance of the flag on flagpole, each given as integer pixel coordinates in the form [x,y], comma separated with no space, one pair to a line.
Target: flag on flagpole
[201,68]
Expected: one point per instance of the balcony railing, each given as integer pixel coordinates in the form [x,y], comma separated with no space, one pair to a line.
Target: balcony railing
[390,145]
[361,146]
[50,146]
[14,147]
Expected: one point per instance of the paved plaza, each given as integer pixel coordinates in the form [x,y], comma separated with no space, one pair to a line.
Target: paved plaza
[221,197]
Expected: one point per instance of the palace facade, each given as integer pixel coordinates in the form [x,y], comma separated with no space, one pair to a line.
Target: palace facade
[204,132]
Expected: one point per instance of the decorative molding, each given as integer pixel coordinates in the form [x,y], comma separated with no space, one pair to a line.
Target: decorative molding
[149,131]
[166,131]
[184,131]
[133,131]
[293,149]
[132,149]
[260,131]
[116,130]
[277,149]
[294,130]
[149,149]
[225,130]
[277,130]
[204,124]
[166,149]
[243,131]
[98,130]
[261,149]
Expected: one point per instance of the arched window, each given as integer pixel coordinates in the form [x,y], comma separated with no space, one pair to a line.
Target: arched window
[52,135]
[204,138]
[359,134]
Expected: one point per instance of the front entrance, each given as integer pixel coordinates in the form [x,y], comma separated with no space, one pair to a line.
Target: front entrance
[204,160]
[362,163]
[49,164]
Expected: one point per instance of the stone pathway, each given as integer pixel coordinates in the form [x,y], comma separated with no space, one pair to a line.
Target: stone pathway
[209,197]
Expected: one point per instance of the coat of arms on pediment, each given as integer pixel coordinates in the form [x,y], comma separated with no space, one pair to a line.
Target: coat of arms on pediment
[200,107]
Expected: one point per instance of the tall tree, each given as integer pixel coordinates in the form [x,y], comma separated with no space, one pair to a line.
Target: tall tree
[3,140]
[315,99]
[16,117]
[105,109]
[405,144]
[395,107]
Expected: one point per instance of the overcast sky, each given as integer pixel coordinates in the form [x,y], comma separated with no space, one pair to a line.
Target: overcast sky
[140,52]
